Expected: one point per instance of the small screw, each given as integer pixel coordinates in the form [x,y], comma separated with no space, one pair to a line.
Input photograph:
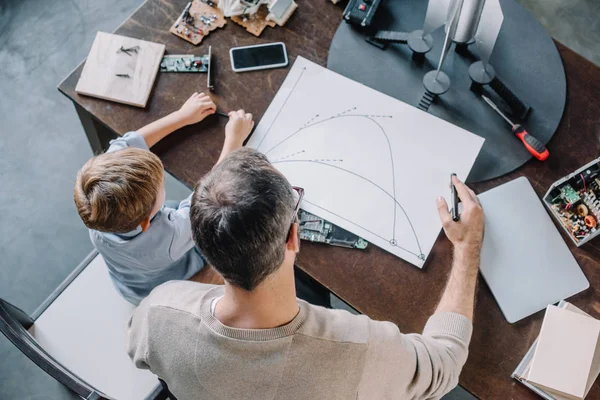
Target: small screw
[124,51]
[133,49]
[123,75]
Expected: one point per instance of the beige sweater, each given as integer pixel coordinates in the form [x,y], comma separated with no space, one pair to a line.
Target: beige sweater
[320,354]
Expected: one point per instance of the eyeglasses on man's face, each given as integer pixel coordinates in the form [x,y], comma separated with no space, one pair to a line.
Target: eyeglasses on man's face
[298,194]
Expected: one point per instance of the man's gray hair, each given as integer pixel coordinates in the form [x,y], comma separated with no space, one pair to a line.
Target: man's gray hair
[241,215]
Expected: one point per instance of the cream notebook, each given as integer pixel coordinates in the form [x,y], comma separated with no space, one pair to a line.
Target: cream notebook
[522,370]
[564,353]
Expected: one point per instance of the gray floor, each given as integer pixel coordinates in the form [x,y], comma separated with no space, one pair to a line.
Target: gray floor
[575,23]
[42,146]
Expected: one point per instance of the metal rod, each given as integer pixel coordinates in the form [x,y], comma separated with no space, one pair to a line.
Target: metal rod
[495,107]
[451,30]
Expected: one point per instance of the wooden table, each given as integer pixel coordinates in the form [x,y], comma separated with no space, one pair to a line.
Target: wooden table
[375,282]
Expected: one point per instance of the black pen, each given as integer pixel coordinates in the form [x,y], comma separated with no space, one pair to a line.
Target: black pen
[455,216]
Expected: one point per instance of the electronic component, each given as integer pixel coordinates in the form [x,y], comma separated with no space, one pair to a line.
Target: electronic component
[190,63]
[184,63]
[281,10]
[254,23]
[590,221]
[582,210]
[240,7]
[360,13]
[569,195]
[316,229]
[197,20]
[256,15]
[575,202]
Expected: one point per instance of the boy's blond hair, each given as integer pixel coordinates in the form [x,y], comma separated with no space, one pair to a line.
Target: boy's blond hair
[115,191]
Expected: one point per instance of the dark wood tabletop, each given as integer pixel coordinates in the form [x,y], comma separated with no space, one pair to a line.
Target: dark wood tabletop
[375,282]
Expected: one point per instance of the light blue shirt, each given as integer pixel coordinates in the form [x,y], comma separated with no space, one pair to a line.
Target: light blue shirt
[139,261]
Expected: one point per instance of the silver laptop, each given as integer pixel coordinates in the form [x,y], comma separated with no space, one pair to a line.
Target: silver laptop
[524,259]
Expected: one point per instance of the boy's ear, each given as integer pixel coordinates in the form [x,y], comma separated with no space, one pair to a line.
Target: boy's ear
[145,224]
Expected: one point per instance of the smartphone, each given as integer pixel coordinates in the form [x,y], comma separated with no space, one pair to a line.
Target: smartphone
[260,56]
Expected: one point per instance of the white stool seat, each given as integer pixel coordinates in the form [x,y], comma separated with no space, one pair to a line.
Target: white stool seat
[84,329]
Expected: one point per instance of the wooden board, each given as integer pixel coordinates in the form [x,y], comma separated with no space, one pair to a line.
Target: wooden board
[105,60]
[256,23]
[187,32]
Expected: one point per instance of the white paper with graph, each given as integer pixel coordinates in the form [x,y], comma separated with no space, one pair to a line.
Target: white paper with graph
[368,163]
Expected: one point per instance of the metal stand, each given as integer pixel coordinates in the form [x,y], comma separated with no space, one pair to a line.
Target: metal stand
[526,72]
[419,44]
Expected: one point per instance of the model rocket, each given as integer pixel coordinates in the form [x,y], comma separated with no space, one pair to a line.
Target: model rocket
[465,21]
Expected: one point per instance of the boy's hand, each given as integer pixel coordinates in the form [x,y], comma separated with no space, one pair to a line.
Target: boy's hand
[196,108]
[238,128]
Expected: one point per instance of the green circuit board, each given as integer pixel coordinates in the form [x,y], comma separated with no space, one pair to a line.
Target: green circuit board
[184,63]
[569,194]
[316,229]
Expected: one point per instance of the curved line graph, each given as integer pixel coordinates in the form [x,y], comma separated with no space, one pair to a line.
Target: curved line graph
[328,120]
[345,114]
[282,107]
[396,203]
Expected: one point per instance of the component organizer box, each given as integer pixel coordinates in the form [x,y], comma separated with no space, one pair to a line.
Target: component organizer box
[575,203]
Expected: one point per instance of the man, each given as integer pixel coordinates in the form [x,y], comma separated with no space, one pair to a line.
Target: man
[253,339]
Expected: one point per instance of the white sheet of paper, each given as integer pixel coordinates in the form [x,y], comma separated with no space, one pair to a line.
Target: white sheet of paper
[369,163]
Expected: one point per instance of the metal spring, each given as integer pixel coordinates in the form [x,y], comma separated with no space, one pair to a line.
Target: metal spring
[519,108]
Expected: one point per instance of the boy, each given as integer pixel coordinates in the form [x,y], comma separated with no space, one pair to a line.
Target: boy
[120,196]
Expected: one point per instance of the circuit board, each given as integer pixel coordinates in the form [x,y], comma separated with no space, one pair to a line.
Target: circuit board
[575,202]
[256,23]
[316,229]
[184,63]
[197,20]
[569,195]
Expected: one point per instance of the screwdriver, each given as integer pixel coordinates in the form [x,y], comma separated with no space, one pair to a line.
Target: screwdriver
[531,143]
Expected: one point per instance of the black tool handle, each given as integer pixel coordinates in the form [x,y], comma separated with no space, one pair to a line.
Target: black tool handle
[391,37]
[519,108]
[455,216]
